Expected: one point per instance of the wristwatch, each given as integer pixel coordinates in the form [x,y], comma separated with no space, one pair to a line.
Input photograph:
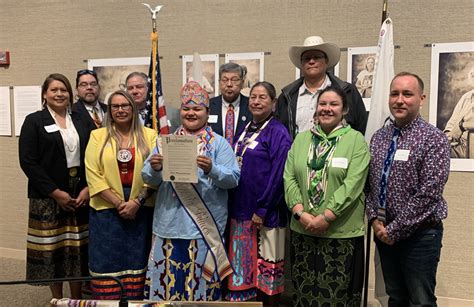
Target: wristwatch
[141,200]
[297,215]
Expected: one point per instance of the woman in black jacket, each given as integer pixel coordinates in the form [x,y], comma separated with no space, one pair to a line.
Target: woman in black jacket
[51,149]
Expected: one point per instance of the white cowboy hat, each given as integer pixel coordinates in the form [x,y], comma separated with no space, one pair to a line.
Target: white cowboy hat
[315,43]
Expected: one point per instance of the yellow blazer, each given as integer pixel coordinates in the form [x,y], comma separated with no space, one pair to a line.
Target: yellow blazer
[103,175]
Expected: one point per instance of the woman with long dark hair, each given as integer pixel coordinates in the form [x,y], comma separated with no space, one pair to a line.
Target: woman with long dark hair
[51,149]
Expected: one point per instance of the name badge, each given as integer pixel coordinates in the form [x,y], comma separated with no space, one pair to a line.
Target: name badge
[402,155]
[339,163]
[253,145]
[212,119]
[51,128]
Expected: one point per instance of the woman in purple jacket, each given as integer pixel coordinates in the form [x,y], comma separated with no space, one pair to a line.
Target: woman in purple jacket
[258,215]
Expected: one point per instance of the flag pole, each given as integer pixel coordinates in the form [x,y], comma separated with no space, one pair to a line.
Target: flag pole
[384,11]
[154,49]
[369,228]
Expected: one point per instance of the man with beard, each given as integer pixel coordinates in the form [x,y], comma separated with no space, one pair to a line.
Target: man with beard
[88,91]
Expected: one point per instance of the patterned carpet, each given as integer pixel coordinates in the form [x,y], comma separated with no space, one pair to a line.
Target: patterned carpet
[34,296]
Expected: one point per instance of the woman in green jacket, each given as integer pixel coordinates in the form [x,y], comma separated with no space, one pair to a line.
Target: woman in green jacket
[324,179]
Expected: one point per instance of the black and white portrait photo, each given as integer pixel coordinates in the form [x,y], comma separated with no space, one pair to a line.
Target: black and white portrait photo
[252,63]
[360,71]
[113,72]
[452,99]
[210,72]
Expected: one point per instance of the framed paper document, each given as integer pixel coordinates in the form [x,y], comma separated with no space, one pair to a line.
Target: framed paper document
[27,99]
[5,115]
[179,158]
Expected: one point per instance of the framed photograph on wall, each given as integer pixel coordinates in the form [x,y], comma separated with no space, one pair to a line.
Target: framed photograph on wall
[253,62]
[361,69]
[334,71]
[210,72]
[452,99]
[113,72]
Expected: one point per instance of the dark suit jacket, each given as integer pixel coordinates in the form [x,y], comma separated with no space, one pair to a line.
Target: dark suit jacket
[215,108]
[81,109]
[42,155]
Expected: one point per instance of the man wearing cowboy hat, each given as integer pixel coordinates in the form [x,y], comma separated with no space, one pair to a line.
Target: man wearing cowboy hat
[297,102]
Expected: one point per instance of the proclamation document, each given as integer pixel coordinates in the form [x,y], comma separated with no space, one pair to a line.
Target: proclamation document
[26,100]
[5,114]
[179,158]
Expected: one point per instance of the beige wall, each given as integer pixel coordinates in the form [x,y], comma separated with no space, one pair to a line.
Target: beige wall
[57,35]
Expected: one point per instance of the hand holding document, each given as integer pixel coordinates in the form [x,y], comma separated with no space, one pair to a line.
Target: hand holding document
[179,158]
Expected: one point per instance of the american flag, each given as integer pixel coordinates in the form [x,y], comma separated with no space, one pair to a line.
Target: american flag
[161,122]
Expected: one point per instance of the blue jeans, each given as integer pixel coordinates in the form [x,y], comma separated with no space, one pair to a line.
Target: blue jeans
[409,267]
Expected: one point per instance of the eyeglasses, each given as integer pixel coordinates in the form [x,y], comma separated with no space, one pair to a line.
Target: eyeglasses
[85,84]
[116,107]
[233,80]
[83,72]
[315,57]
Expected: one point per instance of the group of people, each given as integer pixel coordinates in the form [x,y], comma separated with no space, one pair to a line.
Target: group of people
[83,163]
[99,204]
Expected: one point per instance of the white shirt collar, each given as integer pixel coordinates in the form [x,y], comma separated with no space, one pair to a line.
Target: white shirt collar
[90,107]
[235,103]
[305,90]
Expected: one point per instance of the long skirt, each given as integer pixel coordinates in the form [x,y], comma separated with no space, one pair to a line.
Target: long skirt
[175,272]
[257,257]
[327,272]
[119,247]
[57,241]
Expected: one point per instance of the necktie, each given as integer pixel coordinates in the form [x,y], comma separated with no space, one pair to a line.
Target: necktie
[385,173]
[95,114]
[229,124]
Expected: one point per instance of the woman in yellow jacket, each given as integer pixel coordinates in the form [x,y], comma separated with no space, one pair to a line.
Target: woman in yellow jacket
[121,204]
